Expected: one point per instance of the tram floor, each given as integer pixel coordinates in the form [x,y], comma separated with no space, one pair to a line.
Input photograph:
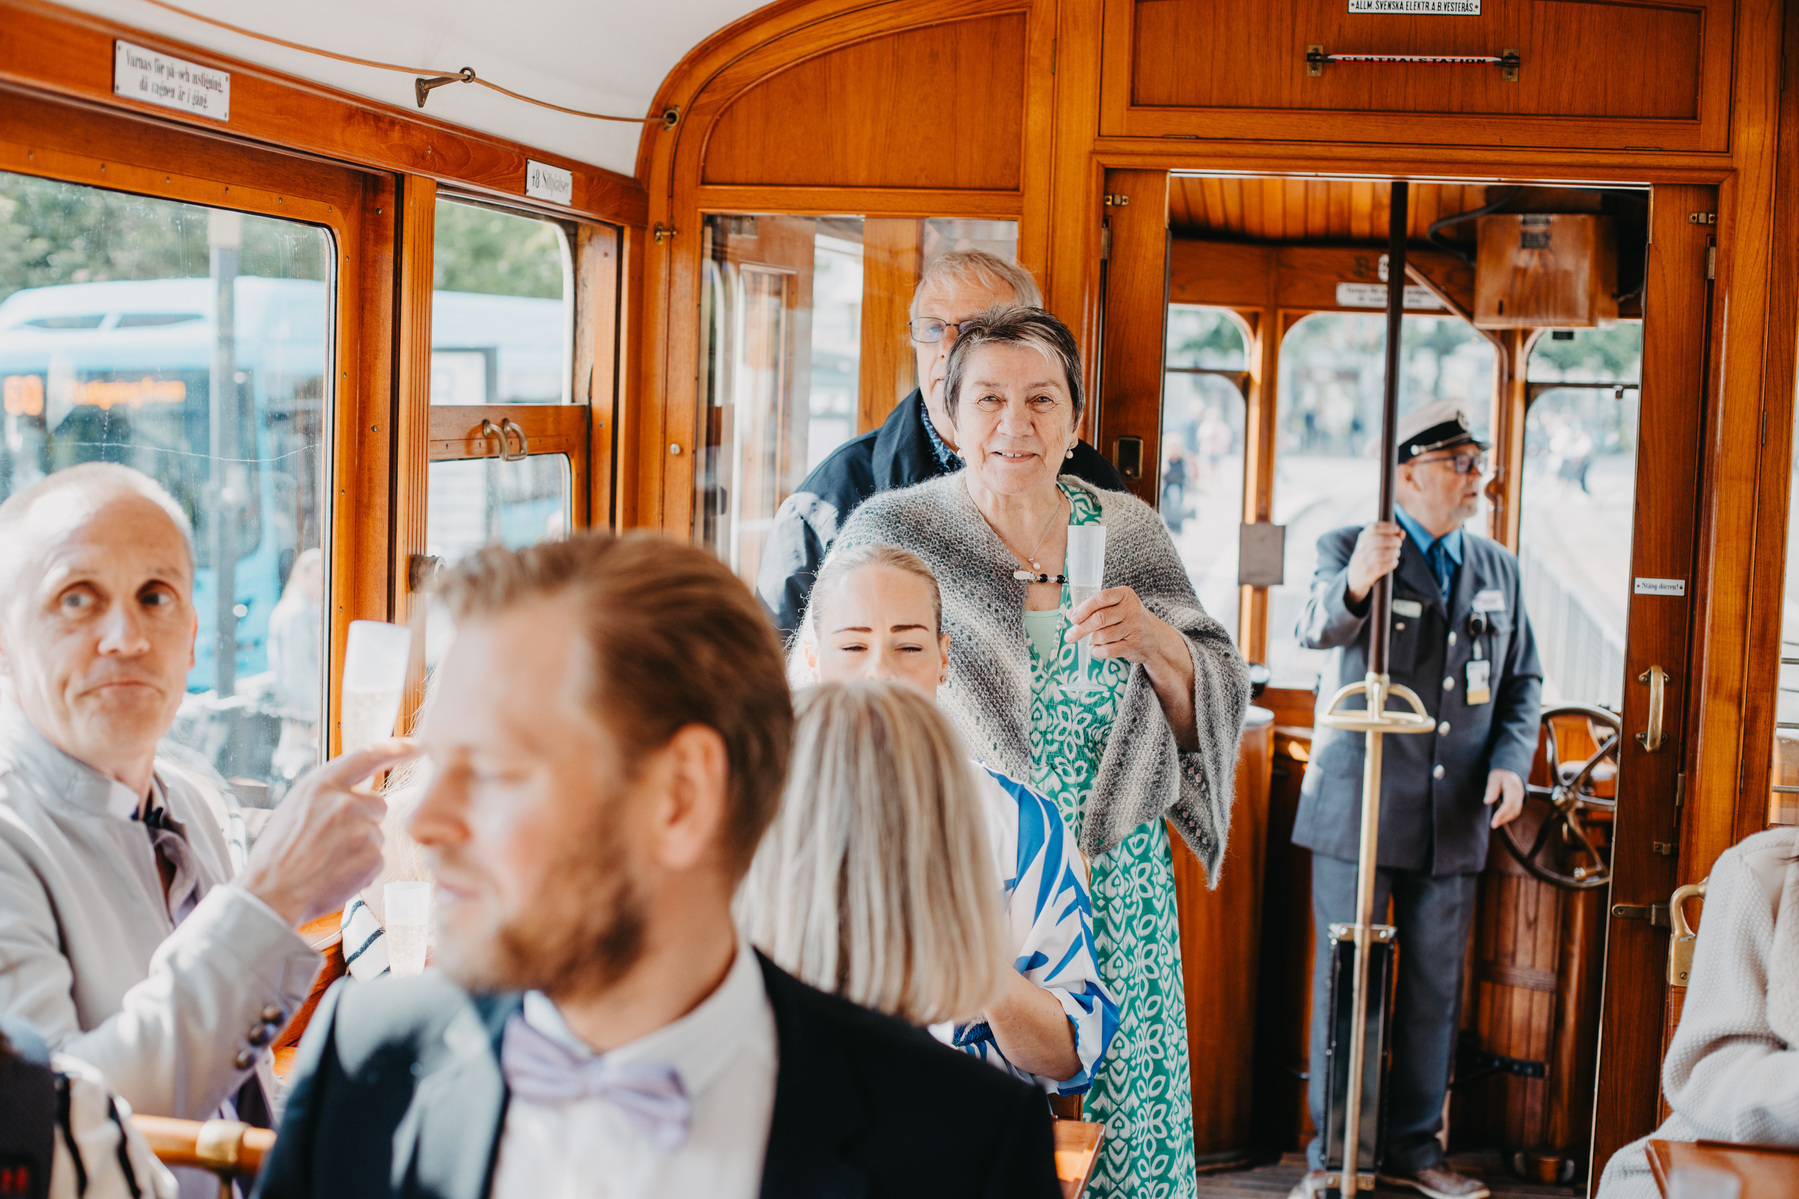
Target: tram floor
[1274,1180]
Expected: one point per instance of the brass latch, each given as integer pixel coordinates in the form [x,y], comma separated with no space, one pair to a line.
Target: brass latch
[1117,200]
[1702,218]
[1655,913]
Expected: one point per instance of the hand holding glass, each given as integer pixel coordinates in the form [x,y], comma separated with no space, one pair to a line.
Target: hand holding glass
[1085,566]
[408,910]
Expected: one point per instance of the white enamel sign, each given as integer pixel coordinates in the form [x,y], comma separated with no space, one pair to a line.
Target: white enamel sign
[1419,8]
[156,78]
[1374,295]
[1661,586]
[545,182]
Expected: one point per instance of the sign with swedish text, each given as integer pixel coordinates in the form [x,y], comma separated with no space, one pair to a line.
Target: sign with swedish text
[1419,8]
[153,77]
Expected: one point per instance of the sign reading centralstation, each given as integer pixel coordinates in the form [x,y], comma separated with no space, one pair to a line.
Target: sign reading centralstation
[1419,8]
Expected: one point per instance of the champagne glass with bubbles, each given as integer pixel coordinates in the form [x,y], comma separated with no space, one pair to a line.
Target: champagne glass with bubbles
[1086,568]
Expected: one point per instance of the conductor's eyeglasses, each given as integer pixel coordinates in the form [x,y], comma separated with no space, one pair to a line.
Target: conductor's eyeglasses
[929,332]
[1462,464]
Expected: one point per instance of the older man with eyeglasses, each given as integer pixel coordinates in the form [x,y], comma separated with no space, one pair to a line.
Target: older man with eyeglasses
[1462,642]
[916,442]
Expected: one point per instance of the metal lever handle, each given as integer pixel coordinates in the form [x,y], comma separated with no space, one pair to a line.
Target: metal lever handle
[508,427]
[1651,739]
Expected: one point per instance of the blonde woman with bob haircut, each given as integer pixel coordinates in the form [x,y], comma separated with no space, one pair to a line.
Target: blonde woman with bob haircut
[875,881]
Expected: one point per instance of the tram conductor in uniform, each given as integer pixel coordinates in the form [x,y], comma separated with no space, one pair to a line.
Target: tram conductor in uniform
[1462,642]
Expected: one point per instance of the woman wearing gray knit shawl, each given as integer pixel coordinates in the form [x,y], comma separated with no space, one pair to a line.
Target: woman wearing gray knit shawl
[1156,740]
[1732,1071]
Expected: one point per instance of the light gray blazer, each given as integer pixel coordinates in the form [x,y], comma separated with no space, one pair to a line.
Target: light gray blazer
[1732,1071]
[173,1017]
[1142,776]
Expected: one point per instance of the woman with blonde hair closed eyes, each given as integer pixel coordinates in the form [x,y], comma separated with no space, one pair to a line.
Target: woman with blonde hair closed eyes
[875,881]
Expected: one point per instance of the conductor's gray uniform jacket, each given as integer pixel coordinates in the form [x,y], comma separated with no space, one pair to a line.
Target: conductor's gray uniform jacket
[175,1017]
[1432,819]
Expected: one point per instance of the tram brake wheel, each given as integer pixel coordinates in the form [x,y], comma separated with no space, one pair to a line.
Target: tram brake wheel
[1551,839]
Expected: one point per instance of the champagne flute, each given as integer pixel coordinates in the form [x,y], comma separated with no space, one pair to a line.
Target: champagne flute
[408,909]
[375,661]
[1085,568]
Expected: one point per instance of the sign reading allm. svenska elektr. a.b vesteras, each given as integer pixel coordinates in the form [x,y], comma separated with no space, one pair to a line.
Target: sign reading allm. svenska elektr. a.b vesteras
[1419,8]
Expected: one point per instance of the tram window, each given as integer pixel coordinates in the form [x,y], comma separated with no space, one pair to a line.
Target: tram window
[1202,449]
[1332,371]
[782,369]
[110,350]
[476,502]
[1783,793]
[502,308]
[1576,505]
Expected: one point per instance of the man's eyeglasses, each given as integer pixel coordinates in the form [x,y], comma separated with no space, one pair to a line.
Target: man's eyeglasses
[1462,464]
[929,332]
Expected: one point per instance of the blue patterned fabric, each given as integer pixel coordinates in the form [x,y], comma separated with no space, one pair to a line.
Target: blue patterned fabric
[946,457]
[1050,918]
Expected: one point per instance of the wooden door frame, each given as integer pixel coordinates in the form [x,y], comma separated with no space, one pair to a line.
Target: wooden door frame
[1711,654]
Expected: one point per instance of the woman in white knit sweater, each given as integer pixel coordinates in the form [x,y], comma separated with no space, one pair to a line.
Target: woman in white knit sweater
[1732,1072]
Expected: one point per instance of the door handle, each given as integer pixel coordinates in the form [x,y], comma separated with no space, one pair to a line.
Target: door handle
[1680,945]
[1651,739]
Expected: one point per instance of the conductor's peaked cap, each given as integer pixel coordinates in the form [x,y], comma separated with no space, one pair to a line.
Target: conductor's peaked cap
[1438,426]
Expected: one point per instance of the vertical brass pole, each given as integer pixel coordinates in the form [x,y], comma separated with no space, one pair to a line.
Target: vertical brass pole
[1380,620]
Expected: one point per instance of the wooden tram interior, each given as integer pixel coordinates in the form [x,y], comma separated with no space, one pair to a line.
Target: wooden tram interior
[1159,165]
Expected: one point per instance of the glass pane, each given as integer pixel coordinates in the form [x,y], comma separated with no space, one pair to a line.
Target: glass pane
[502,308]
[1202,449]
[1783,796]
[112,349]
[781,310]
[1576,508]
[1332,376]
[476,502]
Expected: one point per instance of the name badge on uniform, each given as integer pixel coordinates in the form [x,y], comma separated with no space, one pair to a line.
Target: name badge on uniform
[1490,600]
[1479,679]
[1405,607]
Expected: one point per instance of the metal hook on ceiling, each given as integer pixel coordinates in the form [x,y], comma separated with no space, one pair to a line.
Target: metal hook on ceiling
[424,86]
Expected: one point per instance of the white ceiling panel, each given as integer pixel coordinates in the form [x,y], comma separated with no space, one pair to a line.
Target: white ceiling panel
[600,57]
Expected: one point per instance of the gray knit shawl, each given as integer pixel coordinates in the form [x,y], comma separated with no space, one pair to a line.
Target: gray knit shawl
[1142,776]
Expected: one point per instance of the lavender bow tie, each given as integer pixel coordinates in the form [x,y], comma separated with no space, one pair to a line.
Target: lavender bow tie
[539,1070]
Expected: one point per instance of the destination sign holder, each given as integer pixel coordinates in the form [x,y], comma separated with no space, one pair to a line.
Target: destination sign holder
[1508,61]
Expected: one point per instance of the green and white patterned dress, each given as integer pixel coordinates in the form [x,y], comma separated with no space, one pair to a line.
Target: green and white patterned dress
[1142,1094]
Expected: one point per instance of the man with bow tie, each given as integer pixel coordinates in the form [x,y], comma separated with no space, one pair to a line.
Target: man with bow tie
[125,940]
[609,737]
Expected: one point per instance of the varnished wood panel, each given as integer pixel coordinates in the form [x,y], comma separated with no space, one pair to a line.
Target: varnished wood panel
[1204,54]
[416,247]
[947,112]
[597,312]
[1135,343]
[1677,385]
[1296,278]
[1220,934]
[1327,210]
[70,54]
[1242,62]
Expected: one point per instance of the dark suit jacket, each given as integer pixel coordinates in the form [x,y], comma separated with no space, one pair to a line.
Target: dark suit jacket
[898,454]
[398,1092]
[1431,824]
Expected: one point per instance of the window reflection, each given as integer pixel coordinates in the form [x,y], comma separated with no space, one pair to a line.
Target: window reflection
[1202,450]
[1576,507]
[1332,378]
[502,308]
[192,344]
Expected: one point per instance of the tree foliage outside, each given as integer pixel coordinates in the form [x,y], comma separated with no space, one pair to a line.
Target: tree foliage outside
[496,253]
[1591,355]
[54,233]
[1208,337]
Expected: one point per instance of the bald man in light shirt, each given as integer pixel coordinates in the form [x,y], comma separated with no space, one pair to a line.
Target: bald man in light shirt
[123,938]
